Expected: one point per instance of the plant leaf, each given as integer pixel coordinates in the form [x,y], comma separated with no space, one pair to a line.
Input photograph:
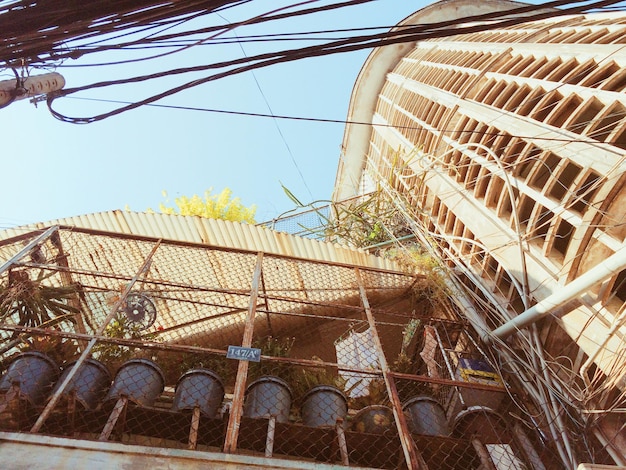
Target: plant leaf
[291,196]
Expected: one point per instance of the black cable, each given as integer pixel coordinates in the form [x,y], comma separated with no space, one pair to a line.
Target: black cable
[38,29]
[339,121]
[72,27]
[271,15]
[522,10]
[359,42]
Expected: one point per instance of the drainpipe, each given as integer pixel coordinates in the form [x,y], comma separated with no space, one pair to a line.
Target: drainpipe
[607,268]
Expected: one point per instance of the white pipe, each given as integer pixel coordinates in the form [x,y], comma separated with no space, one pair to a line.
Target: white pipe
[607,268]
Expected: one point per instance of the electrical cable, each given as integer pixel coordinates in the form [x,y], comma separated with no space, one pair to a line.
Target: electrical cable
[220,31]
[446,24]
[263,60]
[339,121]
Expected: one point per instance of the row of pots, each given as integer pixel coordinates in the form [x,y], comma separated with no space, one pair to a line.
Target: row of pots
[36,375]
[324,405]
[139,380]
[142,382]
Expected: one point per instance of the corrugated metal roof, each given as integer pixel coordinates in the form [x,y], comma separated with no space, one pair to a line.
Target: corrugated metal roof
[213,232]
[200,293]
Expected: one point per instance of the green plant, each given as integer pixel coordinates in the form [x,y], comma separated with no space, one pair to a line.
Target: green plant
[371,219]
[312,377]
[305,379]
[113,354]
[58,349]
[433,288]
[376,395]
[218,364]
[273,347]
[362,222]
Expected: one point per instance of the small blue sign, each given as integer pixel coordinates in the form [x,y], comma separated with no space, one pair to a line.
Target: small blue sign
[244,354]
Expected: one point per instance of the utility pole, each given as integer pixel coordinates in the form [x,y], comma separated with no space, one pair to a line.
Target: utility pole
[21,88]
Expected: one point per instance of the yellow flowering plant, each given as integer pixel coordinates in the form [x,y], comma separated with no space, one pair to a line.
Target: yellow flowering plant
[211,206]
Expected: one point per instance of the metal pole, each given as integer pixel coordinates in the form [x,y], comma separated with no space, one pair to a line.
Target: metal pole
[607,268]
[617,324]
[24,251]
[79,362]
[483,454]
[449,366]
[234,419]
[528,447]
[412,455]
[615,454]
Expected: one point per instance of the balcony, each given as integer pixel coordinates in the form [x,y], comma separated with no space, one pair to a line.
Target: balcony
[121,344]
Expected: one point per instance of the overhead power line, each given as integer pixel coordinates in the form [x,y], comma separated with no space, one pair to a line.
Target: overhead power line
[343,122]
[52,33]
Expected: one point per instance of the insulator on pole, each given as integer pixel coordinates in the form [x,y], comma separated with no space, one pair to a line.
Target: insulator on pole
[11,90]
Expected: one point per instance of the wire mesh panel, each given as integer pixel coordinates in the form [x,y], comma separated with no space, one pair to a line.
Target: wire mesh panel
[126,340]
[306,223]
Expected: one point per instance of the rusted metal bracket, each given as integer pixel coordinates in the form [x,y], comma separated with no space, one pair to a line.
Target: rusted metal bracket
[193,429]
[271,434]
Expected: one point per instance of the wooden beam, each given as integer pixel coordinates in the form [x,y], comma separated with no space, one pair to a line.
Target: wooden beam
[269,440]
[341,440]
[236,409]
[119,407]
[66,280]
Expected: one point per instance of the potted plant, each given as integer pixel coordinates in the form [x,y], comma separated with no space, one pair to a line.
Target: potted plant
[58,349]
[112,355]
[321,392]
[274,347]
[201,379]
[268,393]
[375,416]
[199,360]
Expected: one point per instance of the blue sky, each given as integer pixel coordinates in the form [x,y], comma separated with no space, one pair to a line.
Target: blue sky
[54,169]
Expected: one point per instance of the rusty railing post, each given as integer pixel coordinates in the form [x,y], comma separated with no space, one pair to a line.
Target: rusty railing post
[236,409]
[412,455]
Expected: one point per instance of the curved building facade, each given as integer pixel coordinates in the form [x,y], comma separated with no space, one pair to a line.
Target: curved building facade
[505,150]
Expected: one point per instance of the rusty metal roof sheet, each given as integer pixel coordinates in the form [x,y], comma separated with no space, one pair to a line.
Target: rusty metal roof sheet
[213,232]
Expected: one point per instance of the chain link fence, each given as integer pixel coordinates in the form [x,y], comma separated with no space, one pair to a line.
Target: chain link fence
[183,346]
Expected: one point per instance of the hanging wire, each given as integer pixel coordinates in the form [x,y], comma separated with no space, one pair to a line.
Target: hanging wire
[36,46]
